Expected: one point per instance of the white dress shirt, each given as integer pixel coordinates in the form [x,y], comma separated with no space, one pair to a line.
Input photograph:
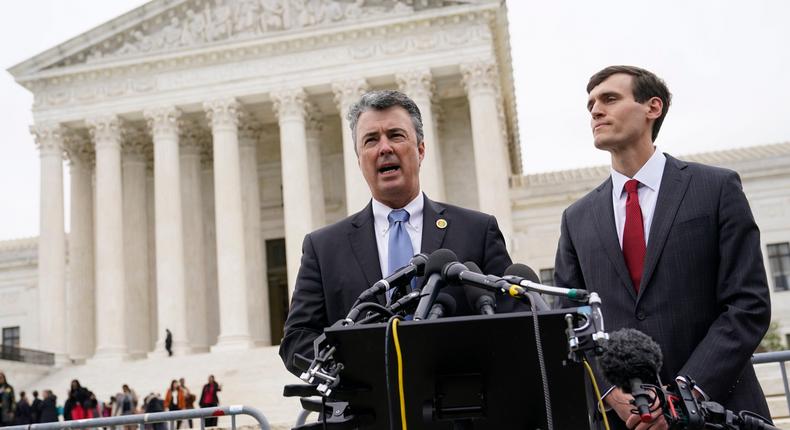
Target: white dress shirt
[382,227]
[649,177]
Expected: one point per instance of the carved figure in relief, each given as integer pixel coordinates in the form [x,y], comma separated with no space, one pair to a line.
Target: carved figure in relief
[195,31]
[247,17]
[221,23]
[272,18]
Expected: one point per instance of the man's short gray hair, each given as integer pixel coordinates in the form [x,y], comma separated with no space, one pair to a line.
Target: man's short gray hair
[382,100]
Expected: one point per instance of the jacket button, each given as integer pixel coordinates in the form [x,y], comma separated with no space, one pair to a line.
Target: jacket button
[640,315]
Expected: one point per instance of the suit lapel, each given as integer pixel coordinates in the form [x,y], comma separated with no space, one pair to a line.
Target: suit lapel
[603,213]
[432,236]
[363,244]
[674,183]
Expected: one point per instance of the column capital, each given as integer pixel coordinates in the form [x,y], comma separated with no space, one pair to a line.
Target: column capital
[48,137]
[105,131]
[289,103]
[348,92]
[163,121]
[480,76]
[223,113]
[313,119]
[78,147]
[417,84]
[135,141]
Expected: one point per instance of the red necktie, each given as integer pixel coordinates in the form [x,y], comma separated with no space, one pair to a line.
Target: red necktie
[633,234]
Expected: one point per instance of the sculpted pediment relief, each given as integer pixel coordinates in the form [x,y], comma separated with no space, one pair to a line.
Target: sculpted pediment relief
[206,22]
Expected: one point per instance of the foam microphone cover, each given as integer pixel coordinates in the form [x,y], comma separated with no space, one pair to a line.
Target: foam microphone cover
[448,302]
[630,354]
[437,261]
[522,271]
[473,294]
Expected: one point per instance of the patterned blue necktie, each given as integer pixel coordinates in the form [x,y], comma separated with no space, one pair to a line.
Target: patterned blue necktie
[400,250]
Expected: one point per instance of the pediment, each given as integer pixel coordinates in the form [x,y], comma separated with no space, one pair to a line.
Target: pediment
[164,26]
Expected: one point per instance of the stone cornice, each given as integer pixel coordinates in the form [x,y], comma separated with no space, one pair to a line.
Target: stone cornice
[725,158]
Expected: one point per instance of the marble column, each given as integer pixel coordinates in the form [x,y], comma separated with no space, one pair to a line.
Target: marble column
[52,242]
[153,324]
[257,285]
[135,233]
[210,238]
[194,241]
[80,291]
[490,148]
[419,86]
[297,204]
[169,230]
[111,340]
[357,191]
[313,124]
[223,115]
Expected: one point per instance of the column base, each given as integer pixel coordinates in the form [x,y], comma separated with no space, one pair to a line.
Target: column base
[179,349]
[232,343]
[63,360]
[109,354]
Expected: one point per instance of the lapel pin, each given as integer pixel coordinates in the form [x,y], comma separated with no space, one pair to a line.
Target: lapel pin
[441,223]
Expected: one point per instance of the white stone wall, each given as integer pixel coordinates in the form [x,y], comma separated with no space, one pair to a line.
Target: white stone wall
[19,291]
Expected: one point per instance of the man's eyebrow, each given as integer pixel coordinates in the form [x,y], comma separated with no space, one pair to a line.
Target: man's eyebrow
[605,94]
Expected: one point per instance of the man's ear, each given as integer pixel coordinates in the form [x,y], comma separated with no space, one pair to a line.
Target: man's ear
[655,107]
[421,151]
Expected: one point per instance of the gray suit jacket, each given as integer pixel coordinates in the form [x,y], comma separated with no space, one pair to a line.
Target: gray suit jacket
[703,296]
[341,260]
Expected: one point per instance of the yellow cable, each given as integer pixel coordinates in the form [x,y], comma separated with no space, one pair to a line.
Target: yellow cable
[597,393]
[400,373]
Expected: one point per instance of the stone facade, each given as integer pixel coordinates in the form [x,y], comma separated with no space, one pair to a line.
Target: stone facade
[205,138]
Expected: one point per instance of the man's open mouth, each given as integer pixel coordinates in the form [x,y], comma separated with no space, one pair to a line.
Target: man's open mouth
[388,169]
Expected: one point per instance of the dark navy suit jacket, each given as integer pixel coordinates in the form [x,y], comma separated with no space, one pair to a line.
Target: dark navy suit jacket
[341,260]
[703,296]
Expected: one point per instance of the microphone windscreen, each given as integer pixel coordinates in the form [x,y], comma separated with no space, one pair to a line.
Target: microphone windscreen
[629,354]
[438,260]
[448,302]
[419,261]
[522,271]
[473,293]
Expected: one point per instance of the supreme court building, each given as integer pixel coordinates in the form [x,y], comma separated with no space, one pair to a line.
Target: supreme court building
[204,139]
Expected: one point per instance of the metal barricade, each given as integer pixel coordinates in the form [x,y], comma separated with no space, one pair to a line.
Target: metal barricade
[780,357]
[141,420]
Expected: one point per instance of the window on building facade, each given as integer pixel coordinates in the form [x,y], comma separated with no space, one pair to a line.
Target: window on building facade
[547,276]
[11,336]
[779,265]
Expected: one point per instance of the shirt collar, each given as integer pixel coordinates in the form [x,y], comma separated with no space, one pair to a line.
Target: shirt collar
[382,211]
[649,175]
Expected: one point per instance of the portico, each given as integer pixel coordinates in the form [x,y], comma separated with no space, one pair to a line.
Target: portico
[197,137]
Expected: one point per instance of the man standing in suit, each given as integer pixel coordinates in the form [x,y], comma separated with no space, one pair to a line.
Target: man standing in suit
[670,246]
[342,260]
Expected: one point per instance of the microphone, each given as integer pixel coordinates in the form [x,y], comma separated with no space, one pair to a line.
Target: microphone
[402,304]
[482,301]
[630,358]
[433,280]
[457,273]
[443,306]
[399,277]
[524,280]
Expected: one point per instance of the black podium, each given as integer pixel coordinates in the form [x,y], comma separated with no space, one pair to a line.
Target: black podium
[473,372]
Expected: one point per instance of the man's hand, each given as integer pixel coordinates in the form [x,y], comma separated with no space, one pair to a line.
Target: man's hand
[621,403]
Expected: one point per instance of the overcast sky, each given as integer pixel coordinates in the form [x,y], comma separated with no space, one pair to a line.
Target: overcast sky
[727,64]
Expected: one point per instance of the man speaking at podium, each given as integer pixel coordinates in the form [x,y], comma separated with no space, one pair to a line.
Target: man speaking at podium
[340,261]
[671,247]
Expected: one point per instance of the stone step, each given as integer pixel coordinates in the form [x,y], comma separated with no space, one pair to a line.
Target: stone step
[252,377]
[778,406]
